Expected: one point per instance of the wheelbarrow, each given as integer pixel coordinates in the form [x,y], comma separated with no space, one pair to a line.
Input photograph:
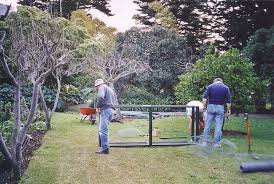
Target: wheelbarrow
[87,111]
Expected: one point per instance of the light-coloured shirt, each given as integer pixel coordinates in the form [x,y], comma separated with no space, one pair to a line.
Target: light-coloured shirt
[194,103]
[105,97]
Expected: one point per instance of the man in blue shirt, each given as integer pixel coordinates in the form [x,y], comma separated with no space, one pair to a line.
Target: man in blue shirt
[215,97]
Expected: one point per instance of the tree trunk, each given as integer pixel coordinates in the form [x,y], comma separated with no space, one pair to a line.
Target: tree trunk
[60,7]
[272,96]
[11,159]
[17,114]
[59,82]
[45,109]
[4,150]
[35,94]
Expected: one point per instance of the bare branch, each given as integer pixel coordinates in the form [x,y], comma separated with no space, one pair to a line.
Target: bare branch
[4,149]
[117,64]
[4,62]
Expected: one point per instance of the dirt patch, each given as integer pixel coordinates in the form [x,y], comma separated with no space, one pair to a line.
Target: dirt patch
[233,133]
[33,144]
[230,133]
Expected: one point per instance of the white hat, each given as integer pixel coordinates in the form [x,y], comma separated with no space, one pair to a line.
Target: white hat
[99,82]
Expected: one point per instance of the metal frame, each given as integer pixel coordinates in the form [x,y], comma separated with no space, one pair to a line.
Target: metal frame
[150,109]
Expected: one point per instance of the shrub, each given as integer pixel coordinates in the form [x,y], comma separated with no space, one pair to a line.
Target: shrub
[72,95]
[7,95]
[49,96]
[236,71]
[5,111]
[139,96]
[6,129]
[38,125]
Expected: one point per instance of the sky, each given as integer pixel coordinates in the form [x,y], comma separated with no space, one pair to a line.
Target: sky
[123,10]
[9,2]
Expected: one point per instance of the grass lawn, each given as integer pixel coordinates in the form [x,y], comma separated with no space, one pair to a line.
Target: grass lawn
[67,155]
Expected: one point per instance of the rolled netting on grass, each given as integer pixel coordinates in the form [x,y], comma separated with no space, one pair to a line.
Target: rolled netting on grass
[253,157]
[227,148]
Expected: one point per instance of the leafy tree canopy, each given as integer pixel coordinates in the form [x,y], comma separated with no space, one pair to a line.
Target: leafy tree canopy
[260,50]
[95,28]
[237,72]
[226,24]
[66,7]
[75,37]
[167,53]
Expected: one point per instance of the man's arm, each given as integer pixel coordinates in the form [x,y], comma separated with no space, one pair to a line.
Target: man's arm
[205,96]
[100,96]
[228,102]
[204,103]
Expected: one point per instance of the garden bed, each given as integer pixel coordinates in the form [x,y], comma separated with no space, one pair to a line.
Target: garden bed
[34,143]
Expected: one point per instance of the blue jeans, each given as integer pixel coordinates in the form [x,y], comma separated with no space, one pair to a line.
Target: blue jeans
[214,112]
[105,117]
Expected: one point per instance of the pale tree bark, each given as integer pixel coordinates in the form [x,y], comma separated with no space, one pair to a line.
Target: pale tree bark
[34,61]
[60,7]
[73,66]
[117,64]
[45,109]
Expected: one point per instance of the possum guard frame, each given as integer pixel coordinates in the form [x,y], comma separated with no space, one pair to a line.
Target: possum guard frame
[152,108]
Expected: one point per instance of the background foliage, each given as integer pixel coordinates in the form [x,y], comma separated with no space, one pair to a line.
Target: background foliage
[165,50]
[236,71]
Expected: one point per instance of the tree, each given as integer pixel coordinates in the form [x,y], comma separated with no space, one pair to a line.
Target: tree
[259,50]
[66,7]
[32,57]
[241,19]
[163,16]
[188,17]
[75,38]
[226,24]
[95,28]
[236,71]
[118,63]
[167,53]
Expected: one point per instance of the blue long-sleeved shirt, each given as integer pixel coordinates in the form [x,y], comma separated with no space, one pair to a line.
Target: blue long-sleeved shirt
[217,93]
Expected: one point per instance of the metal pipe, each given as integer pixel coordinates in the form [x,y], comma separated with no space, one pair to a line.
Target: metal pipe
[150,126]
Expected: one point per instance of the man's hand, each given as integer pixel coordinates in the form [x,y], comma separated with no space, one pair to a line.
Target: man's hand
[228,113]
[204,104]
[204,109]
[98,110]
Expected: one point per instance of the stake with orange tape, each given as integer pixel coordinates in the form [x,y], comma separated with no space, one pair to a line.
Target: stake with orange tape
[247,132]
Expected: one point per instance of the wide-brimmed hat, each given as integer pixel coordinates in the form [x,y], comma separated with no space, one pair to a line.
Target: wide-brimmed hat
[99,82]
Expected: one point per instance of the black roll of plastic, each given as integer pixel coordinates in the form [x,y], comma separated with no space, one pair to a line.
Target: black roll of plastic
[258,166]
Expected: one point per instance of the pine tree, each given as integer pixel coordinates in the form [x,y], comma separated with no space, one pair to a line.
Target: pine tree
[65,7]
[226,24]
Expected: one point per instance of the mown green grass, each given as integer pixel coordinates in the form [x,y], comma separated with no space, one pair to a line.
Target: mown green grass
[67,155]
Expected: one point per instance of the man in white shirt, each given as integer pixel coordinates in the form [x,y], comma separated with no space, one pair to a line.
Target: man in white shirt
[201,114]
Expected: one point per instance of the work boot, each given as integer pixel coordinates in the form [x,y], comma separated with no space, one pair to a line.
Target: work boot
[104,151]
